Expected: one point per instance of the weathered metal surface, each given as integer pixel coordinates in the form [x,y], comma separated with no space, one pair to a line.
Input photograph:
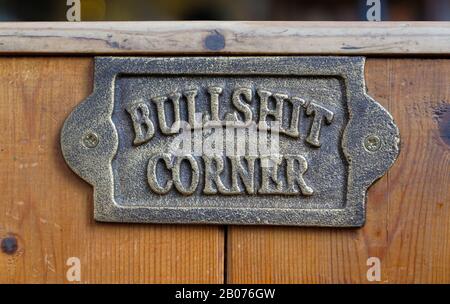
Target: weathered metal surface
[230,140]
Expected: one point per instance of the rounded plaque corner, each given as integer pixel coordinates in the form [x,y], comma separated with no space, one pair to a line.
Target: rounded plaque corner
[88,141]
[371,142]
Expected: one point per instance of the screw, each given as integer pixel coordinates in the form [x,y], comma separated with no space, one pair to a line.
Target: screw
[90,140]
[9,245]
[372,143]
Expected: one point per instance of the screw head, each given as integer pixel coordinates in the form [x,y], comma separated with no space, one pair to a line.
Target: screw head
[372,143]
[90,140]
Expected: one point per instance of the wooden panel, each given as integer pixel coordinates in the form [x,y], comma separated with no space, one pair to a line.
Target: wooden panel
[408,219]
[226,37]
[49,209]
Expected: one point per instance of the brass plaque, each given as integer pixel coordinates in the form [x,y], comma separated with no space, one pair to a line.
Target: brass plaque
[230,140]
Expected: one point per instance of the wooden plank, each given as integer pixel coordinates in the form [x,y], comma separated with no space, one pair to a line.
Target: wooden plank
[225,37]
[408,219]
[48,209]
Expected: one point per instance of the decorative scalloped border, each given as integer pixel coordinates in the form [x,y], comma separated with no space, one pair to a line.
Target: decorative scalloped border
[366,117]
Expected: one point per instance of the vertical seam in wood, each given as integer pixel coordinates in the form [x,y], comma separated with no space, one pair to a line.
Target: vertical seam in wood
[389,102]
[225,254]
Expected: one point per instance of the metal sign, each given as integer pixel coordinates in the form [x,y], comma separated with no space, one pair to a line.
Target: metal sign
[230,140]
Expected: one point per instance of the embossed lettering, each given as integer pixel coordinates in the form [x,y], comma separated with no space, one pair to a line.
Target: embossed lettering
[214,92]
[190,99]
[212,175]
[143,126]
[160,106]
[269,175]
[242,106]
[242,100]
[266,111]
[195,175]
[318,113]
[292,130]
[295,174]
[246,176]
[242,171]
[229,173]
[151,173]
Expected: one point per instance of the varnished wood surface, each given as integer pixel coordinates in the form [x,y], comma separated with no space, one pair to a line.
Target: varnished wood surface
[226,37]
[48,209]
[408,218]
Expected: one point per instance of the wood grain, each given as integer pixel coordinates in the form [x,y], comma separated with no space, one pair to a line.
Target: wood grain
[225,37]
[408,218]
[48,209]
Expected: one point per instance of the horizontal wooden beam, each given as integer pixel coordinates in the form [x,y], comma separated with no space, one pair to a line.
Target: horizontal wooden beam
[225,37]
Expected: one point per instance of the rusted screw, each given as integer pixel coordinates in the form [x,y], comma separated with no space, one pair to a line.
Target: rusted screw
[372,143]
[9,245]
[90,140]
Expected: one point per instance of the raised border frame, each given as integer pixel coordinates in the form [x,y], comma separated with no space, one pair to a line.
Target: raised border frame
[366,117]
